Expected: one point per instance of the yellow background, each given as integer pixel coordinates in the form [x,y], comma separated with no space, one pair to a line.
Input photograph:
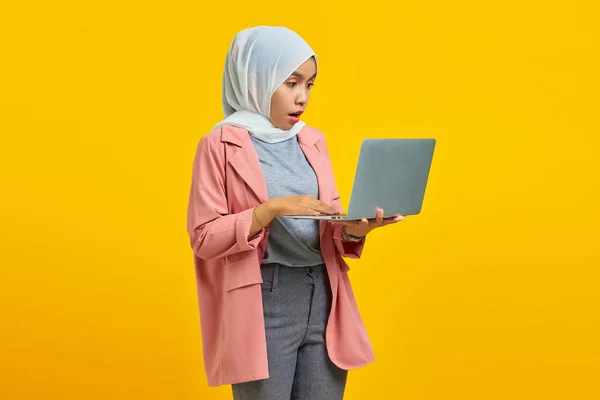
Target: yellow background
[491,293]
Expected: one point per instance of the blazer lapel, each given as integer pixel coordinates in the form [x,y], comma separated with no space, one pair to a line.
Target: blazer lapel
[314,151]
[245,161]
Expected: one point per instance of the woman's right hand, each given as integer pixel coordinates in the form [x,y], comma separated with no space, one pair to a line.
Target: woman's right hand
[304,204]
[300,205]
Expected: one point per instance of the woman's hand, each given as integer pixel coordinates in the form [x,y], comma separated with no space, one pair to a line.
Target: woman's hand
[266,212]
[300,205]
[364,226]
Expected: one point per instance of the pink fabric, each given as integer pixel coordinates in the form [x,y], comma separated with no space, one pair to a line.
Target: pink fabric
[227,183]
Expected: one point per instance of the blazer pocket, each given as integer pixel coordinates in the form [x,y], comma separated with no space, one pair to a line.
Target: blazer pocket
[242,269]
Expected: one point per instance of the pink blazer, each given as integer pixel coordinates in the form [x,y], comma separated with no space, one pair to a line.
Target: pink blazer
[227,183]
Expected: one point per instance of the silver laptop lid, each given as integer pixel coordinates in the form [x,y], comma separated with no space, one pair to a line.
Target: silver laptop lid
[391,174]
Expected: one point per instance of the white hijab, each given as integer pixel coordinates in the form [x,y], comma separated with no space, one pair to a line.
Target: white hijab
[259,60]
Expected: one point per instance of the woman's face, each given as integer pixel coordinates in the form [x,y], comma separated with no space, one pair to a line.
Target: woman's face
[292,96]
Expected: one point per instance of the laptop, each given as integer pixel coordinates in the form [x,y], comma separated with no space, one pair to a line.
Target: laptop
[391,174]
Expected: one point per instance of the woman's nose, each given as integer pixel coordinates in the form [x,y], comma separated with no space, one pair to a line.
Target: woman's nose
[302,98]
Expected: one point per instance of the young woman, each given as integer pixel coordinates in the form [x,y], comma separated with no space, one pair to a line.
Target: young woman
[277,311]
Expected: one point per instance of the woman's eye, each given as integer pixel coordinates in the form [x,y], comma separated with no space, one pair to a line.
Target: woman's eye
[291,84]
[310,85]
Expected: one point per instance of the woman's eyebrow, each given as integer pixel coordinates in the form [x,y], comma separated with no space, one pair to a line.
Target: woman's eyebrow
[299,75]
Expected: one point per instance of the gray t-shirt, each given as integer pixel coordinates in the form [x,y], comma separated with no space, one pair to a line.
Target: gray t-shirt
[292,242]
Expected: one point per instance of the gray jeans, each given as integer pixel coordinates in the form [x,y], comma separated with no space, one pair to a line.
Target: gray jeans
[296,304]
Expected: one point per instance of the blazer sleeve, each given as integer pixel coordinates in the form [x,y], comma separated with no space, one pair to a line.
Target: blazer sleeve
[213,232]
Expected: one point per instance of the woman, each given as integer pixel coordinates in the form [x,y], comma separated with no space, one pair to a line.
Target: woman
[278,316]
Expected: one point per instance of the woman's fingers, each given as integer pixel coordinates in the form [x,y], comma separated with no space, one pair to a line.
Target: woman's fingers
[345,222]
[379,217]
[326,209]
[392,220]
[319,206]
[315,206]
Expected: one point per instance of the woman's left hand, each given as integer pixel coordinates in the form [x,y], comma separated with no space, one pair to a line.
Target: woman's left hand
[364,226]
